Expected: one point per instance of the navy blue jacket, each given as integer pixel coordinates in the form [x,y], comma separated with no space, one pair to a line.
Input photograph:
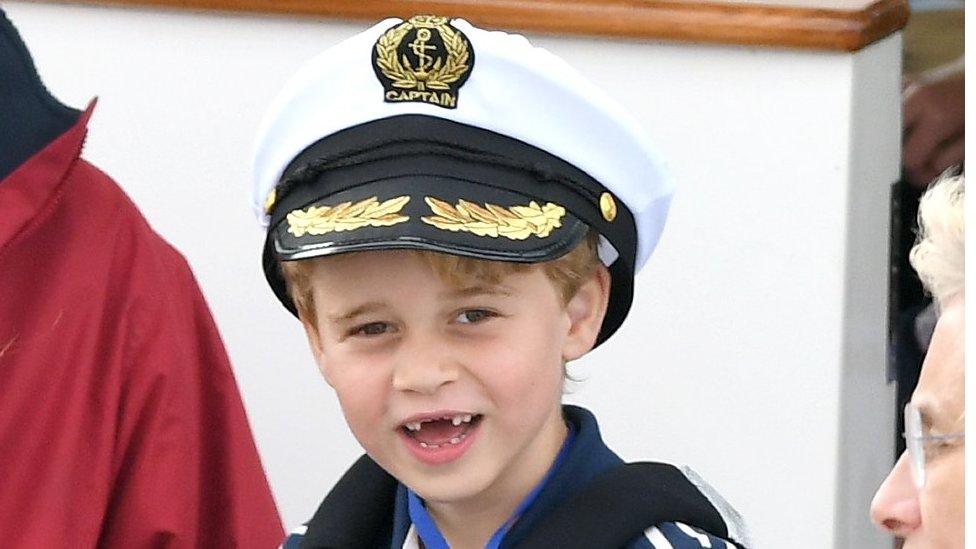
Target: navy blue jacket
[592,500]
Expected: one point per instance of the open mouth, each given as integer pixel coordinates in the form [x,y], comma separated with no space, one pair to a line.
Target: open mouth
[437,432]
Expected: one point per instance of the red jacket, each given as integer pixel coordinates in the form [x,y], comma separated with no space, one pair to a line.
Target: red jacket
[120,420]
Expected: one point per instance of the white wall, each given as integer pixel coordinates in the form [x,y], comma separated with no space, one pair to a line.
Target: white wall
[741,356]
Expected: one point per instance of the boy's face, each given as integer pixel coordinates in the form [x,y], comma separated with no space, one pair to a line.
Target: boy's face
[404,349]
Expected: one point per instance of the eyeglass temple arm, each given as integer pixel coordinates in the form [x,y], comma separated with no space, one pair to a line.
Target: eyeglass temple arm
[952,436]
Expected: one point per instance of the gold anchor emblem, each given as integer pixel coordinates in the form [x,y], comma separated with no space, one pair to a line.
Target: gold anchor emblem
[420,48]
[442,61]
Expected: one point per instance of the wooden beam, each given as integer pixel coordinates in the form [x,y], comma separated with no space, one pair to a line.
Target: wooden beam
[838,26]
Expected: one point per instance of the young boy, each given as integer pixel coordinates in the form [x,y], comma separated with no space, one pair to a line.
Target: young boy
[454,215]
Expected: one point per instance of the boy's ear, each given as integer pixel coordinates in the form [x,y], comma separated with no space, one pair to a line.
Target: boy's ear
[314,343]
[586,310]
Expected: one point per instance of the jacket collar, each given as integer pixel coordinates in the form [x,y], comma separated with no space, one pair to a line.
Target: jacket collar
[366,498]
[591,489]
[32,185]
[588,457]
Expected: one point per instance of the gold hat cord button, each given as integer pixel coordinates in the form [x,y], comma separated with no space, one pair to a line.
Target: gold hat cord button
[269,202]
[608,206]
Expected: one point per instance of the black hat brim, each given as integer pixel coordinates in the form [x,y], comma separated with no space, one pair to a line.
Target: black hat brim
[472,178]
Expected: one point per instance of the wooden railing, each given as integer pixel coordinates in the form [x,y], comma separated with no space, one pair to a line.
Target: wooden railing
[842,25]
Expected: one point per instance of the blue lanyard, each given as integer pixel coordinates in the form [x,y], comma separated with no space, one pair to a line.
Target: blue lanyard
[432,537]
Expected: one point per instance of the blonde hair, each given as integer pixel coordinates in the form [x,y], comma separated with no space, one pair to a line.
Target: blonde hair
[939,254]
[567,272]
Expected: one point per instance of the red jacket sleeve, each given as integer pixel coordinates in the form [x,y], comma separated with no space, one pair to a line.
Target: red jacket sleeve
[187,470]
[120,421]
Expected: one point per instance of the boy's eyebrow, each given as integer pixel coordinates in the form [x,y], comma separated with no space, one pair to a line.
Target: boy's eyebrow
[360,310]
[487,289]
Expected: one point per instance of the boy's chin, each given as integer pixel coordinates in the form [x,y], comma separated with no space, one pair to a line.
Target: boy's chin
[456,483]
[452,488]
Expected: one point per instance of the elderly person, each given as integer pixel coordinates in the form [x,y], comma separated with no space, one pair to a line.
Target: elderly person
[922,500]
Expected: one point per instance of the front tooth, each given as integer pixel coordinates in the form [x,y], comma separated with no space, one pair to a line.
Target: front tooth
[456,420]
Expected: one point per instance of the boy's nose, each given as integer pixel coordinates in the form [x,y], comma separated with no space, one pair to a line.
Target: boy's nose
[895,507]
[423,367]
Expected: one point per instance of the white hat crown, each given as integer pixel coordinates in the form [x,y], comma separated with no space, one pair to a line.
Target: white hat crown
[514,89]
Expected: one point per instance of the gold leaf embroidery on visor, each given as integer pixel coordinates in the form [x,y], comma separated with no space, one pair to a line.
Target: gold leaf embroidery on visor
[347,216]
[515,222]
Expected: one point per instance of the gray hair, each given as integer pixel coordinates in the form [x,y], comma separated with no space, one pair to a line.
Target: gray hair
[939,254]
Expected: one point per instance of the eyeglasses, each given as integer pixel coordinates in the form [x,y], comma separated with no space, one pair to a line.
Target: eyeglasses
[916,442]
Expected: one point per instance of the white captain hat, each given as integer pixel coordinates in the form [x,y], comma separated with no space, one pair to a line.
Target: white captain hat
[429,133]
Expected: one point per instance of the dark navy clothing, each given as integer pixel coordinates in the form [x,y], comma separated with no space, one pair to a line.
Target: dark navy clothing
[587,462]
[430,534]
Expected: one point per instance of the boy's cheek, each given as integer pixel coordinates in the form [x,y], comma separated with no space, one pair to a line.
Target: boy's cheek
[363,411]
[322,362]
[338,364]
[362,389]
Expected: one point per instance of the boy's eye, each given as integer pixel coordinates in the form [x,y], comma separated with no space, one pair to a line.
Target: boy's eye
[371,329]
[472,316]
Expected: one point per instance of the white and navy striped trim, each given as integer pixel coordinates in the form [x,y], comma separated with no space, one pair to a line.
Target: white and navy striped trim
[676,535]
[734,522]
[669,535]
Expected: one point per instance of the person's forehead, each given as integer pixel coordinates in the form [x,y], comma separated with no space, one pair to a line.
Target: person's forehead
[362,272]
[356,269]
[363,260]
[941,388]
